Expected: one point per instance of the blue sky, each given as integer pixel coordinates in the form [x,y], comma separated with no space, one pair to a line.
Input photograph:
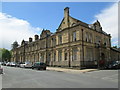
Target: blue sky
[21,20]
[49,15]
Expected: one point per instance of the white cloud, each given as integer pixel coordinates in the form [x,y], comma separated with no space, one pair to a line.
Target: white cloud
[12,29]
[109,21]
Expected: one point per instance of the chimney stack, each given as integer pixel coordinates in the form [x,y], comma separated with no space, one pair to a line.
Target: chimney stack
[66,12]
[30,39]
[66,16]
[36,37]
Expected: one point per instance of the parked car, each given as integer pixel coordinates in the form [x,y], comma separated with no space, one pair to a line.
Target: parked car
[39,66]
[113,65]
[12,64]
[8,64]
[4,63]
[26,65]
[18,64]
[1,69]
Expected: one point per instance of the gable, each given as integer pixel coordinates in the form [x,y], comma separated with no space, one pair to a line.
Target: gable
[72,22]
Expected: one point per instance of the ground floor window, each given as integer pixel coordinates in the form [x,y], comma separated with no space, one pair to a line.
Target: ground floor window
[65,56]
[54,58]
[60,55]
[89,54]
[42,57]
[74,54]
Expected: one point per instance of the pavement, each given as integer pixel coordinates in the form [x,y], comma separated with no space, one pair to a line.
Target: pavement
[0,81]
[59,69]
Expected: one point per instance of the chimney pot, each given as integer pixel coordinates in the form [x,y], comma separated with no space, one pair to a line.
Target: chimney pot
[66,12]
[30,39]
[36,37]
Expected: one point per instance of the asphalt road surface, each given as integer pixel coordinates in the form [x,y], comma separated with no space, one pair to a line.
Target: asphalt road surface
[27,78]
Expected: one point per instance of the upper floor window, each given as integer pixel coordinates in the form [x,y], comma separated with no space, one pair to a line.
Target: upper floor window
[86,37]
[36,47]
[98,39]
[43,44]
[49,43]
[74,36]
[53,41]
[90,37]
[60,39]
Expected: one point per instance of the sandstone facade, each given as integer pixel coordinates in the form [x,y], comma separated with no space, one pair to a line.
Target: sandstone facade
[74,44]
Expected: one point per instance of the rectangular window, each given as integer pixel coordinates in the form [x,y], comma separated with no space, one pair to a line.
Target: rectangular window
[49,57]
[65,56]
[98,39]
[54,56]
[36,47]
[90,37]
[53,42]
[74,54]
[60,39]
[49,43]
[89,54]
[60,55]
[74,36]
[42,57]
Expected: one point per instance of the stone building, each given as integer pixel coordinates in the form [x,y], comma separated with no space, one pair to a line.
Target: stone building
[74,44]
[115,54]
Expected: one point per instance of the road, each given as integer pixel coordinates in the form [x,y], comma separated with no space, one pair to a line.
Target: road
[27,78]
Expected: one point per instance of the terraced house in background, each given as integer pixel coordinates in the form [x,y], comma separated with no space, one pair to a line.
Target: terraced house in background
[74,44]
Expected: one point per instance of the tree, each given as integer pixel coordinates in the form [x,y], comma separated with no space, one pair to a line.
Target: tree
[0,54]
[114,46]
[15,45]
[6,55]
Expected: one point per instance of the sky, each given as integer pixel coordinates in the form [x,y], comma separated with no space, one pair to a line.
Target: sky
[21,20]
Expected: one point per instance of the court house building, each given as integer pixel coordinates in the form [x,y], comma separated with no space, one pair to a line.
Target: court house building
[74,44]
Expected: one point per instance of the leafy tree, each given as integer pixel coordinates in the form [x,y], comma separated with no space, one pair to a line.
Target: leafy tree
[0,54]
[114,46]
[15,45]
[6,55]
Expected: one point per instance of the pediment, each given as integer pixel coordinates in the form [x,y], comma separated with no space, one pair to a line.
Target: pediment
[65,24]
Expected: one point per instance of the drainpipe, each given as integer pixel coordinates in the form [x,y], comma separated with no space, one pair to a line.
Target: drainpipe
[82,48]
[24,54]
